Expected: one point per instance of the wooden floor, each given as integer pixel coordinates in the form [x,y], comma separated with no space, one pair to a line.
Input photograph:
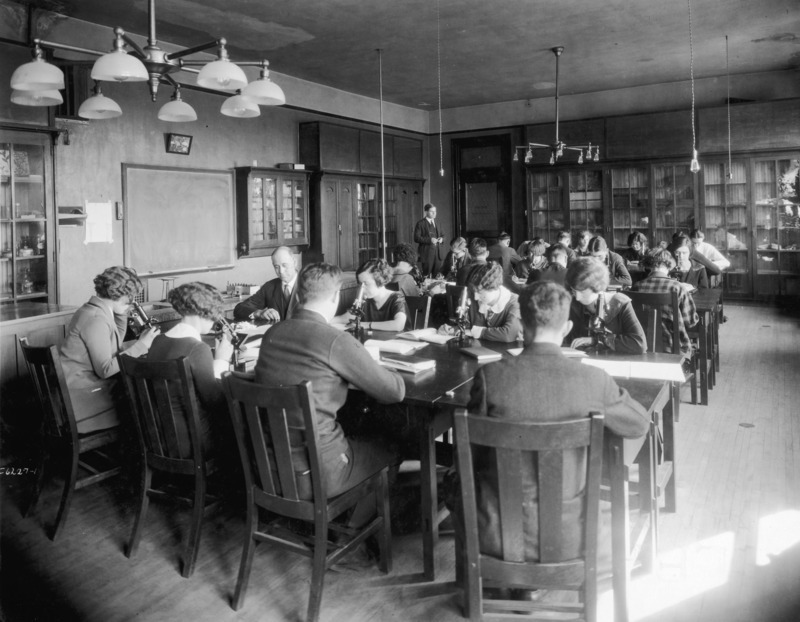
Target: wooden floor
[731,553]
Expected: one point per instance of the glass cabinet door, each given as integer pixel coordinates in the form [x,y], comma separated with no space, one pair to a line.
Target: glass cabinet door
[263,211]
[726,220]
[674,201]
[546,206]
[586,201]
[630,204]
[24,269]
[391,193]
[293,209]
[367,222]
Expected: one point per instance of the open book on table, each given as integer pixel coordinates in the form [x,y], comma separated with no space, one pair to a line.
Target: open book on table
[396,346]
[425,334]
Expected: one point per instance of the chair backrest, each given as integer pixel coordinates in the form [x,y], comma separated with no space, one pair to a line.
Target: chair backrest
[664,304]
[276,432]
[166,414]
[453,294]
[420,309]
[516,447]
[44,365]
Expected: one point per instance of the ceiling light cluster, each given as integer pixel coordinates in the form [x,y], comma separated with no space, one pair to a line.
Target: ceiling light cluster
[587,152]
[38,82]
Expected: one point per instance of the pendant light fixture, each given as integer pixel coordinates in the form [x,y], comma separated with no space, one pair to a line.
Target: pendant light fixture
[51,97]
[98,106]
[695,165]
[585,152]
[153,65]
[728,106]
[439,84]
[383,159]
[177,110]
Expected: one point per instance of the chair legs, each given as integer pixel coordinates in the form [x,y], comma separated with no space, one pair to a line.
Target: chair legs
[193,541]
[318,570]
[66,495]
[144,500]
[30,508]
[247,557]
[385,536]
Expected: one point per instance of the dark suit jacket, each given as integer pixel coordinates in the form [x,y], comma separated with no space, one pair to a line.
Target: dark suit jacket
[617,271]
[269,296]
[430,255]
[453,264]
[305,347]
[696,275]
[563,389]
[505,256]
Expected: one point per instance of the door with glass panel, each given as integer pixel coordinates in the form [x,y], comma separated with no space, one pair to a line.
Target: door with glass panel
[674,194]
[367,222]
[630,204]
[546,205]
[726,221]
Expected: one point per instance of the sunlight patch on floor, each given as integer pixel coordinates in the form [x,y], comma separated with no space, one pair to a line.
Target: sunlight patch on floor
[777,533]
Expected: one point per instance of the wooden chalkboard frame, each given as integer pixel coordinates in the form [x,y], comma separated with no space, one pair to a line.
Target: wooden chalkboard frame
[158,212]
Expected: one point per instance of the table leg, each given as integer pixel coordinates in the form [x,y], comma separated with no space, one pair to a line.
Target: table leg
[620,536]
[703,337]
[648,498]
[429,498]
[668,430]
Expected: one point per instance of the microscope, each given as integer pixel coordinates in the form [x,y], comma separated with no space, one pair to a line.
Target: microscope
[357,311]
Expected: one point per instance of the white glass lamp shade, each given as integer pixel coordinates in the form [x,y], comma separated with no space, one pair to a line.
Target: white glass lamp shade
[99,107]
[37,75]
[240,106]
[119,66]
[177,111]
[265,92]
[50,97]
[223,75]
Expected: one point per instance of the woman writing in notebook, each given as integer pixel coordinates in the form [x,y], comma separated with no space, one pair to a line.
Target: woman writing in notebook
[382,309]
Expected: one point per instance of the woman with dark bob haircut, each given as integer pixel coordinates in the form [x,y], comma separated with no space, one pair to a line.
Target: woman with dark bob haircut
[588,280]
[637,247]
[200,306]
[383,309]
[94,338]
[494,310]
[405,272]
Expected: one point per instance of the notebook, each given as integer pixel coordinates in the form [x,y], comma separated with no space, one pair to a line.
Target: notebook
[410,364]
[482,354]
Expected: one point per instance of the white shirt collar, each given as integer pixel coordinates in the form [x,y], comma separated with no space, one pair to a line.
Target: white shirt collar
[499,305]
[181,330]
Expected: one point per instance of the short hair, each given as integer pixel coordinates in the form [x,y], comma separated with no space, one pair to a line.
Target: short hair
[659,257]
[458,243]
[503,236]
[637,236]
[696,234]
[379,270]
[486,276]
[117,281]
[428,206]
[477,246]
[544,304]
[564,235]
[558,251]
[680,242]
[597,245]
[585,233]
[405,252]
[587,273]
[537,247]
[200,299]
[318,281]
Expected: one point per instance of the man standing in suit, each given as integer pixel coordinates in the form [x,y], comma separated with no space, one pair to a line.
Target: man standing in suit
[276,299]
[307,347]
[564,390]
[429,237]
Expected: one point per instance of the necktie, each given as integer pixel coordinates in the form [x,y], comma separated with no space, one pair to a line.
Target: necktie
[287,293]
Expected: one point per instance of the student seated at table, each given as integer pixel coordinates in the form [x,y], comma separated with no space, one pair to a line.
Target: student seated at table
[94,338]
[582,250]
[660,262]
[707,250]
[478,255]
[494,310]
[588,281]
[276,299]
[383,309]
[563,239]
[200,306]
[687,270]
[405,271]
[306,347]
[556,269]
[543,385]
[637,248]
[679,239]
[534,259]
[502,253]
[455,259]
[598,250]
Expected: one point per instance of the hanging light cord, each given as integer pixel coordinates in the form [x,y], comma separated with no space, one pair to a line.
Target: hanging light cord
[691,72]
[383,162]
[728,78]
[439,84]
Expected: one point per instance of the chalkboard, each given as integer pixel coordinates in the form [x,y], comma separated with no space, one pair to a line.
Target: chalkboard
[177,219]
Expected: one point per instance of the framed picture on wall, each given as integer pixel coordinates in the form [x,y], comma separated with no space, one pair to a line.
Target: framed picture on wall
[179,143]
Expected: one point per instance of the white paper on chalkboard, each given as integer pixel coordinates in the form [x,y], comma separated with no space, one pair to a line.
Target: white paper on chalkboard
[99,223]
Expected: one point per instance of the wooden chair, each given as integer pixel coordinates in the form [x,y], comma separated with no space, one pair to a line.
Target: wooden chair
[163,402]
[268,439]
[515,443]
[420,309]
[84,453]
[453,294]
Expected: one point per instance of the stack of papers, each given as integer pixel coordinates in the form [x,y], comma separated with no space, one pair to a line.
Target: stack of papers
[396,346]
[410,364]
[426,334]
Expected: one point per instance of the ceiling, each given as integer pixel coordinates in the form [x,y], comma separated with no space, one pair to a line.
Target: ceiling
[491,50]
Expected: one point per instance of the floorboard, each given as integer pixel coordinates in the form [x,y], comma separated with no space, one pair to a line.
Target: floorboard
[730,554]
